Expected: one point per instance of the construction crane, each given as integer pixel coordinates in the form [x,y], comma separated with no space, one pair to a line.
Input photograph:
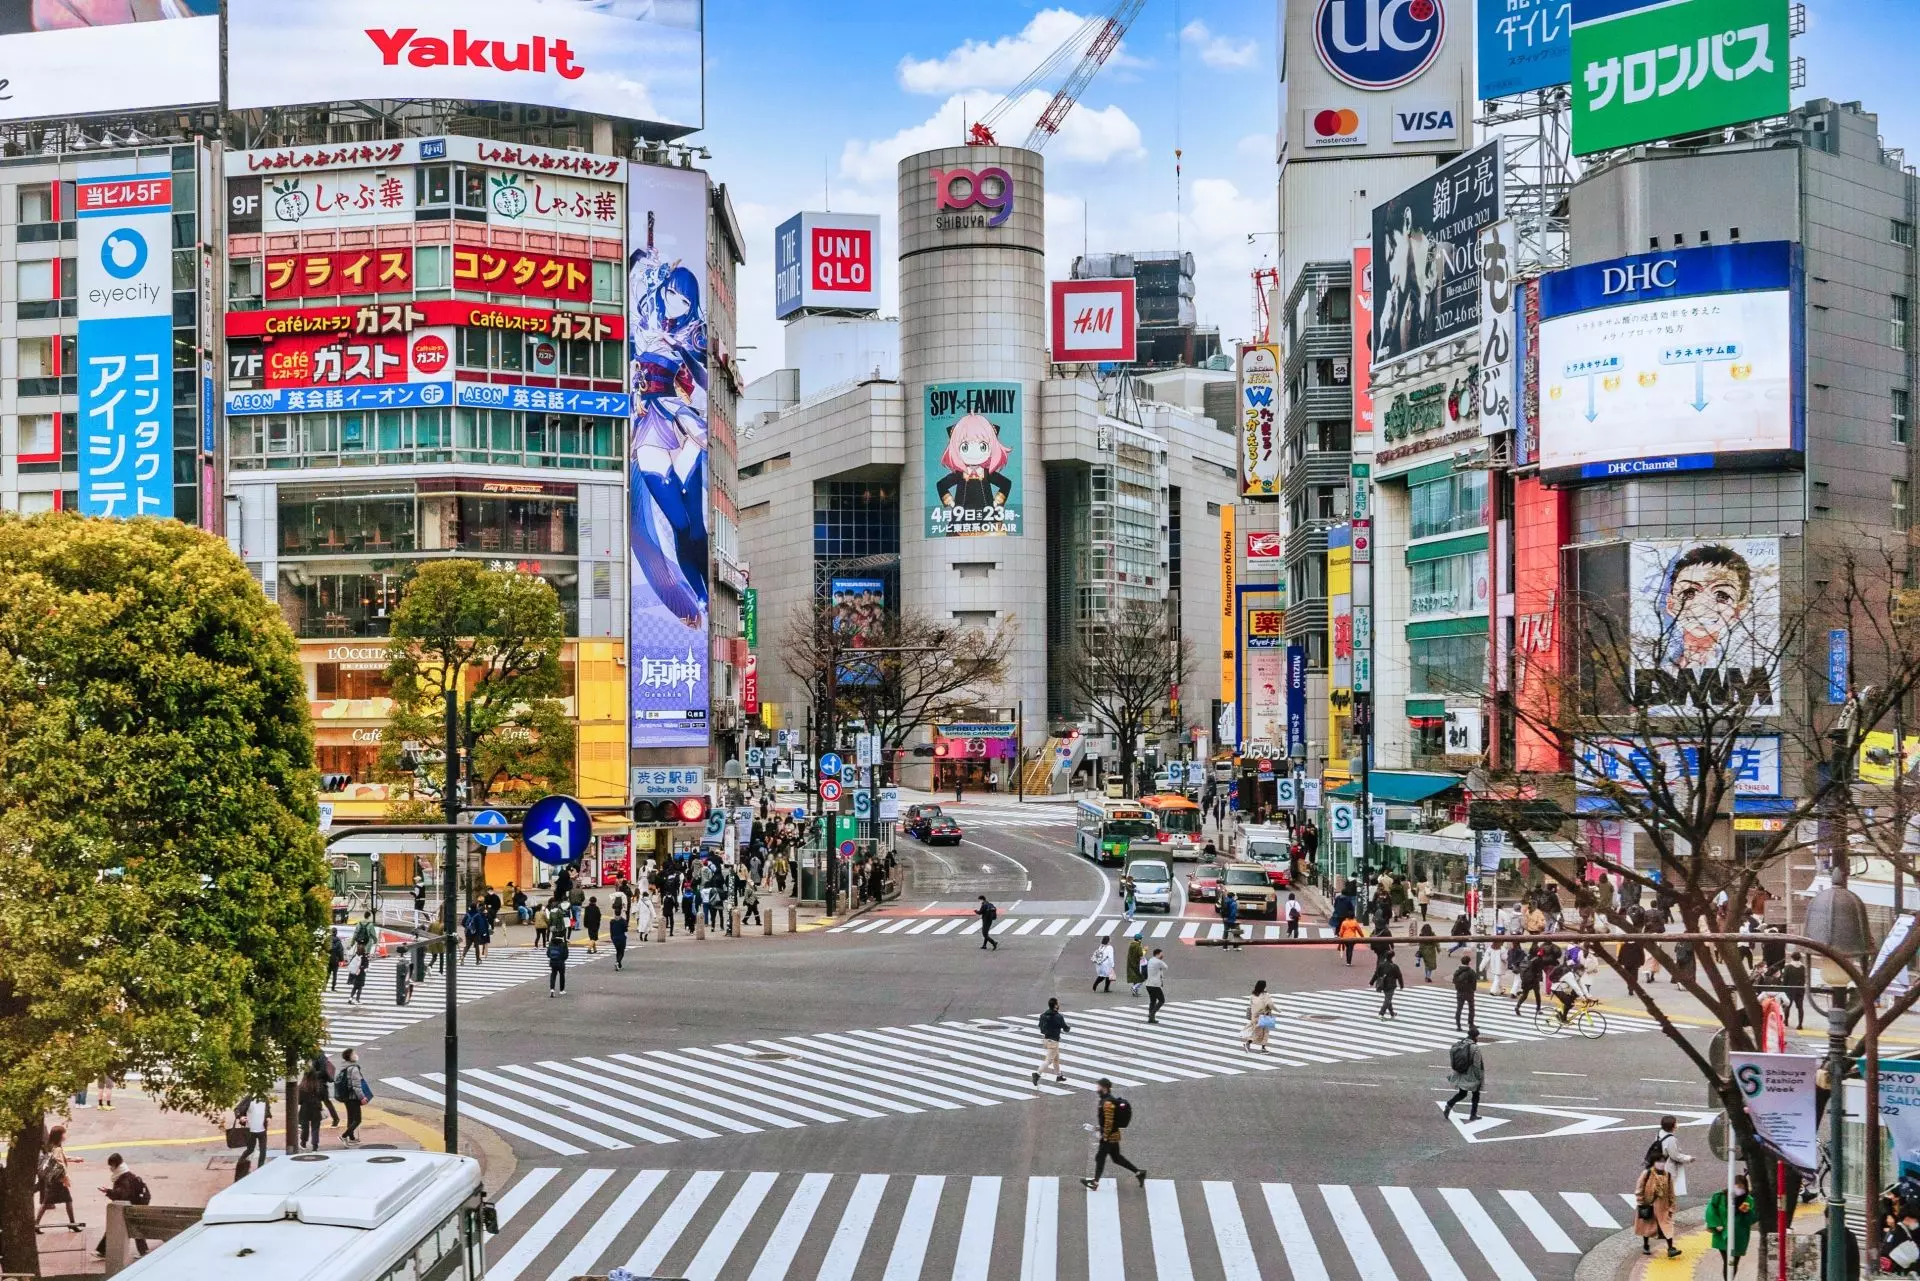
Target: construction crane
[1087,50]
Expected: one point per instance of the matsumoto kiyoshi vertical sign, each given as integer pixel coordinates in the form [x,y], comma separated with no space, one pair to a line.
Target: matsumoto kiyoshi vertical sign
[1646,69]
[667,648]
[125,306]
[973,459]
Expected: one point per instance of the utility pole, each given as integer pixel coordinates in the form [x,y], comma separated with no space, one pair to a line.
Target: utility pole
[450,810]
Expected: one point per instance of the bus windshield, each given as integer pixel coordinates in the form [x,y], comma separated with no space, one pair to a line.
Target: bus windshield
[1180,822]
[1126,829]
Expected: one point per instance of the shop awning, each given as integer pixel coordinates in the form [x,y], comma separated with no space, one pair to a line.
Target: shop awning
[1746,806]
[1400,787]
[1597,806]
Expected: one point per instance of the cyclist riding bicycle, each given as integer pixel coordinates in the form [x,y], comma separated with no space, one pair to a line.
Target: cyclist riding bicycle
[1566,989]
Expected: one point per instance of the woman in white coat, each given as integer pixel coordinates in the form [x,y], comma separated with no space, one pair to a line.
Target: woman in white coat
[643,913]
[1103,963]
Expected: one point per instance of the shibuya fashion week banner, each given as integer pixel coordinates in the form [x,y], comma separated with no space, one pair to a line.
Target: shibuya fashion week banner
[667,626]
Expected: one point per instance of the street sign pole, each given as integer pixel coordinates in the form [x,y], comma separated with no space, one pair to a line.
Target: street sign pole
[450,809]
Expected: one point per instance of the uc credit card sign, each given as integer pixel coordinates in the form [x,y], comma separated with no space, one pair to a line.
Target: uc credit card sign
[125,307]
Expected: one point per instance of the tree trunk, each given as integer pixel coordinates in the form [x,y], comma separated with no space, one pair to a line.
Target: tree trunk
[19,1245]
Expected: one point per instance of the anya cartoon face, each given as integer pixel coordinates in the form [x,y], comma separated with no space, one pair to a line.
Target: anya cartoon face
[974,446]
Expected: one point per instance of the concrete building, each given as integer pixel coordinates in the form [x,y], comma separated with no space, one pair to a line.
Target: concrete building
[1108,495]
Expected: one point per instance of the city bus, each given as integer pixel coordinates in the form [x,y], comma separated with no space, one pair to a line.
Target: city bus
[1108,827]
[366,1215]
[1178,820]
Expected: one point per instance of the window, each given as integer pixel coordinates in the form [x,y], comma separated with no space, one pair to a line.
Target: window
[1449,585]
[1449,504]
[1902,412]
[1448,664]
[36,435]
[606,282]
[36,358]
[1902,233]
[244,281]
[35,202]
[1902,309]
[430,267]
[35,281]
[1900,504]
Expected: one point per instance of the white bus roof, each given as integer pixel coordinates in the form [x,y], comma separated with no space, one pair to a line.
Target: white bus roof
[318,1215]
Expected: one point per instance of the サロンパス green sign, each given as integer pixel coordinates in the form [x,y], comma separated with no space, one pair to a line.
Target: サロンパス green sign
[1661,69]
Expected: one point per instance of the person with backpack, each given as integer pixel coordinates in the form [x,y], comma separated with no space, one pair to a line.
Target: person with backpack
[1112,1115]
[126,1186]
[1293,917]
[366,934]
[1466,983]
[987,913]
[1230,912]
[539,927]
[1466,1073]
[474,926]
[1053,1025]
[1261,1018]
[1667,1148]
[254,1112]
[557,964]
[1387,979]
[1533,976]
[351,1088]
[54,1182]
[324,1066]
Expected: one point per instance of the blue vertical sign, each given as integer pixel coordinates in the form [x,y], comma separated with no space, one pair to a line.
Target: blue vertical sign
[1839,659]
[125,308]
[1525,44]
[1297,702]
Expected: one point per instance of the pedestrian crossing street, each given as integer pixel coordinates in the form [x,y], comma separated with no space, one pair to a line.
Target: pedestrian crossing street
[612,1102]
[1015,926]
[350,1026]
[764,1226]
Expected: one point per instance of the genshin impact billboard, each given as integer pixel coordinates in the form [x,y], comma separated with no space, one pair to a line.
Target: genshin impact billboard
[667,535]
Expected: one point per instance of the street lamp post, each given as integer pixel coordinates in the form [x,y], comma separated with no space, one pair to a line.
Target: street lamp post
[450,811]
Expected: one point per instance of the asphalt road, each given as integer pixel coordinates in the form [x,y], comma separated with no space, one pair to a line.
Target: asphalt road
[859,1103]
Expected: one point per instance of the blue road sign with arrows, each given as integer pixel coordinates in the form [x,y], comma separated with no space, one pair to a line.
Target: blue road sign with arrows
[557,829]
[490,818]
[829,764]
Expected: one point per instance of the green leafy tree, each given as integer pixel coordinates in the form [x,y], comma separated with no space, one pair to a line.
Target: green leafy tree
[162,887]
[493,637]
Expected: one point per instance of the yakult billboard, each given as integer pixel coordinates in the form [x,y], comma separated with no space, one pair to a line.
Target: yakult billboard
[635,59]
[826,261]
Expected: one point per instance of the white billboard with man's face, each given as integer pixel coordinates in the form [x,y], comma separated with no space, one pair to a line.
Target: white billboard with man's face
[1705,625]
[635,59]
[94,57]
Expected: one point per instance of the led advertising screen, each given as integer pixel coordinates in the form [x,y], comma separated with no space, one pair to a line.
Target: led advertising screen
[667,348]
[857,605]
[1705,625]
[826,261]
[1668,362]
[86,57]
[634,59]
[973,459]
[1426,255]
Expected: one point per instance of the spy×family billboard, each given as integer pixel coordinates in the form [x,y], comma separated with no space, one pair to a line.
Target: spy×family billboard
[973,458]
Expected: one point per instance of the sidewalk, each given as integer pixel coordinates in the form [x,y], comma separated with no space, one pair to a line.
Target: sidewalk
[1619,1257]
[185,1160]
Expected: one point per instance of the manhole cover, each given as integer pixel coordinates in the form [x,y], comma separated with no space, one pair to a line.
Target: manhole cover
[769,1056]
[1321,1018]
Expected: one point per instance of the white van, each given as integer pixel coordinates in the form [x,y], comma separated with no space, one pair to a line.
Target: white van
[1152,881]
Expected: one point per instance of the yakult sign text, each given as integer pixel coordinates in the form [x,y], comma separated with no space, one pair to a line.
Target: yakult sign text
[826,261]
[125,307]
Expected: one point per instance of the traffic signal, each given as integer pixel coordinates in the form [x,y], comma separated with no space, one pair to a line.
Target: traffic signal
[673,810]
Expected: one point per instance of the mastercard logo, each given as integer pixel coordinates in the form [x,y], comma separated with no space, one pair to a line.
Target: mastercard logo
[1343,123]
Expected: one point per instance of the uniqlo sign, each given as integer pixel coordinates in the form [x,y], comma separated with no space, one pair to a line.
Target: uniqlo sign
[826,261]
[1093,322]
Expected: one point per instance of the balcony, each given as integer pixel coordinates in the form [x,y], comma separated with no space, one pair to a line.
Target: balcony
[1306,617]
[1307,540]
[1319,342]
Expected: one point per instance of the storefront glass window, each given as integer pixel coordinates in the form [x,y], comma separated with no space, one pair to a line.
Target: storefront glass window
[1448,664]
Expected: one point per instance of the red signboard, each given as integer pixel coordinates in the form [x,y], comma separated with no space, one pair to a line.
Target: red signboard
[1094,321]
[404,318]
[1263,547]
[840,260]
[750,687]
[1542,525]
[339,272]
[332,360]
[512,271]
[431,355]
[127,193]
[1362,338]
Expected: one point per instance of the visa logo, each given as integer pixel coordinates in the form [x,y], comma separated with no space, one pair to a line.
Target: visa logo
[1424,123]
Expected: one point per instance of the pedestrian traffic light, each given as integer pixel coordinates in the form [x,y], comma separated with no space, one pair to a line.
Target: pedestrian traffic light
[672,810]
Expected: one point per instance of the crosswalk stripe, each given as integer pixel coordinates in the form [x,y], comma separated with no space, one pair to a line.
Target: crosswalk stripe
[895,929]
[766,1076]
[975,1250]
[990,1054]
[520,1193]
[1163,929]
[1026,926]
[1039,1245]
[1053,927]
[726,1234]
[912,1087]
[1230,1232]
[1296,1239]
[1486,1236]
[350,1026]
[923,927]
[950,927]
[978,1081]
[573,1108]
[468,1090]
[1368,1257]
[777,1256]
[505,1125]
[1540,1223]
[1104,1254]
[868,926]
[1424,1237]
[595,1240]
[613,1076]
[668,1227]
[890,1095]
[615,1094]
[542,1233]
[850,1238]
[1080,927]
[916,1225]
[1591,1212]
[1169,1234]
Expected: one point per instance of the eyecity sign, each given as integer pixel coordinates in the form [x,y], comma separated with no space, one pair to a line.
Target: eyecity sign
[1379,44]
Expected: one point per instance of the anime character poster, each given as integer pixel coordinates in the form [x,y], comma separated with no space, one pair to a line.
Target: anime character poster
[1705,624]
[973,459]
[667,508]
[857,605]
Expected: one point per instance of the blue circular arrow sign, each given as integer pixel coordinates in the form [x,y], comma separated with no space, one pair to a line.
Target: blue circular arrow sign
[557,829]
[491,818]
[829,764]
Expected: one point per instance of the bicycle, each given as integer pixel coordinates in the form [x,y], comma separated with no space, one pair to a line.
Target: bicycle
[1585,1018]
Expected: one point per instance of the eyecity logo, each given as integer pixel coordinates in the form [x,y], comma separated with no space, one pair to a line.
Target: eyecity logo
[955,189]
[540,55]
[123,254]
[1379,44]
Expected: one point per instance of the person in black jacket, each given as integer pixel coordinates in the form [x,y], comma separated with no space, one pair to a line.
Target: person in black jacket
[1387,980]
[1466,982]
[1053,1025]
[591,916]
[1533,976]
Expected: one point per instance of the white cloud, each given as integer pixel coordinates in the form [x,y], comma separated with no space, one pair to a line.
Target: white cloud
[998,64]
[1223,53]
[1257,146]
[1089,135]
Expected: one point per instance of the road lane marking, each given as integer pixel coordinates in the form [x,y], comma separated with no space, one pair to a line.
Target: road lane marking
[668,1227]
[1168,1233]
[777,1256]
[1427,1243]
[916,1225]
[595,1240]
[1591,1212]
[1303,1256]
[1104,1255]
[549,1225]
[974,1255]
[1486,1236]
[1040,1239]
[1368,1258]
[1540,1223]
[732,1225]
[850,1238]
[1237,1262]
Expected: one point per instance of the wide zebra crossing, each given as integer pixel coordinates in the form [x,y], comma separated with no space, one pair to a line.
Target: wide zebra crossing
[1015,926]
[609,1102]
[764,1226]
[350,1026]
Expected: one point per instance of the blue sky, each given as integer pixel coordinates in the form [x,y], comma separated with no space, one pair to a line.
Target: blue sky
[806,98]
